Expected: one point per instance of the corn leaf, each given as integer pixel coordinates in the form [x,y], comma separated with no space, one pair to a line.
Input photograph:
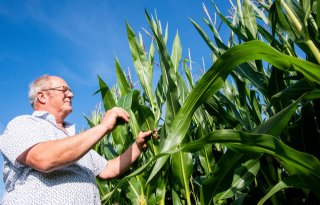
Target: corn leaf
[182,167]
[143,70]
[243,143]
[291,181]
[168,71]
[107,97]
[176,53]
[215,77]
[249,20]
[109,102]
[296,163]
[294,91]
[243,177]
[136,192]
[123,83]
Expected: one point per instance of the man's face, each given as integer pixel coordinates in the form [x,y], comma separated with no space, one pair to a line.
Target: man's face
[59,96]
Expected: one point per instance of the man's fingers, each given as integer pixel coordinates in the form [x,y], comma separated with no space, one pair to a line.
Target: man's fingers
[151,133]
[145,134]
[122,114]
[155,134]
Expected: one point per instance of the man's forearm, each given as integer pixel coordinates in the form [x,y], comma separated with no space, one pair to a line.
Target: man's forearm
[122,163]
[51,155]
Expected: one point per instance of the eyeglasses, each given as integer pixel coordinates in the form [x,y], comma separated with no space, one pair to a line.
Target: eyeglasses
[62,88]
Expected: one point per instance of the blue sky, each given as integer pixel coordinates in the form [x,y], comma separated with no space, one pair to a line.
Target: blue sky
[79,40]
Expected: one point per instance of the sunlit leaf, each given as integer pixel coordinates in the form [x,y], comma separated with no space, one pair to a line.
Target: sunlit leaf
[143,69]
[123,83]
[215,77]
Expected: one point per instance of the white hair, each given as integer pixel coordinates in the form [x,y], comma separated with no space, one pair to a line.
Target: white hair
[36,86]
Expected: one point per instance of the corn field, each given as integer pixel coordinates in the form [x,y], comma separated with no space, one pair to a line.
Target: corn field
[247,131]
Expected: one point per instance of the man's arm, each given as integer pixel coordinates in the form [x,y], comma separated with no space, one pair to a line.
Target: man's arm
[121,164]
[52,155]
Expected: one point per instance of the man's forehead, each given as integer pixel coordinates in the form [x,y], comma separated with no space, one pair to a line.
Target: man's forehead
[57,81]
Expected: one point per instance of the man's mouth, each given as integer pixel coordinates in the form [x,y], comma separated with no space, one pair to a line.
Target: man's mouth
[68,102]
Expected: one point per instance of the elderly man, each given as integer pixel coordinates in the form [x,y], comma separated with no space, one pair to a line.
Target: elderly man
[45,162]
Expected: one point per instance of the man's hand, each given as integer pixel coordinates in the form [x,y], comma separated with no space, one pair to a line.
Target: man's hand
[113,117]
[121,164]
[142,139]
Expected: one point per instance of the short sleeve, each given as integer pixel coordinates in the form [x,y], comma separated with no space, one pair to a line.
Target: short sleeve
[20,134]
[99,163]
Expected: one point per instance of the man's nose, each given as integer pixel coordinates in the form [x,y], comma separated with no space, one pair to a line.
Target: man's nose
[70,94]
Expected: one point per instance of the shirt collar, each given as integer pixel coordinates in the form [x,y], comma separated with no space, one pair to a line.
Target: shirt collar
[70,127]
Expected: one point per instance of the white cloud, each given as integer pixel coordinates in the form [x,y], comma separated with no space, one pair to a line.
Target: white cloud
[1,128]
[85,23]
[92,28]
[94,32]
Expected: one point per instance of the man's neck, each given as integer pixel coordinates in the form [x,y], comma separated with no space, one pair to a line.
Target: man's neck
[58,117]
[59,120]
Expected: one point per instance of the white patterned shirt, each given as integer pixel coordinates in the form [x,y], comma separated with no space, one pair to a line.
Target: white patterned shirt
[73,184]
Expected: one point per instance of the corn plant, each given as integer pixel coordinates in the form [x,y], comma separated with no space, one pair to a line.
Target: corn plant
[246,132]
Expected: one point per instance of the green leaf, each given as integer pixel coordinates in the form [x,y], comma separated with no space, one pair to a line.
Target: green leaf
[293,91]
[237,31]
[214,108]
[136,192]
[247,71]
[123,83]
[276,83]
[144,115]
[168,71]
[183,90]
[143,70]
[107,196]
[243,177]
[279,18]
[151,56]
[141,117]
[304,165]
[161,90]
[176,53]
[215,77]
[182,167]
[161,191]
[221,178]
[91,124]
[176,199]
[295,162]
[188,73]
[109,102]
[318,16]
[255,109]
[205,38]
[291,181]
[278,122]
[108,151]
[107,97]
[249,20]
[126,101]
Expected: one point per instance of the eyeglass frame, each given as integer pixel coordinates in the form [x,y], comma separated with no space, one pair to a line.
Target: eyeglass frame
[66,90]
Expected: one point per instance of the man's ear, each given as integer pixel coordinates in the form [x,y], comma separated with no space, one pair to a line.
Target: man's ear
[41,98]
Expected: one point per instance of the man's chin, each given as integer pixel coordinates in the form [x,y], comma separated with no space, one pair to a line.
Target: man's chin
[69,110]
